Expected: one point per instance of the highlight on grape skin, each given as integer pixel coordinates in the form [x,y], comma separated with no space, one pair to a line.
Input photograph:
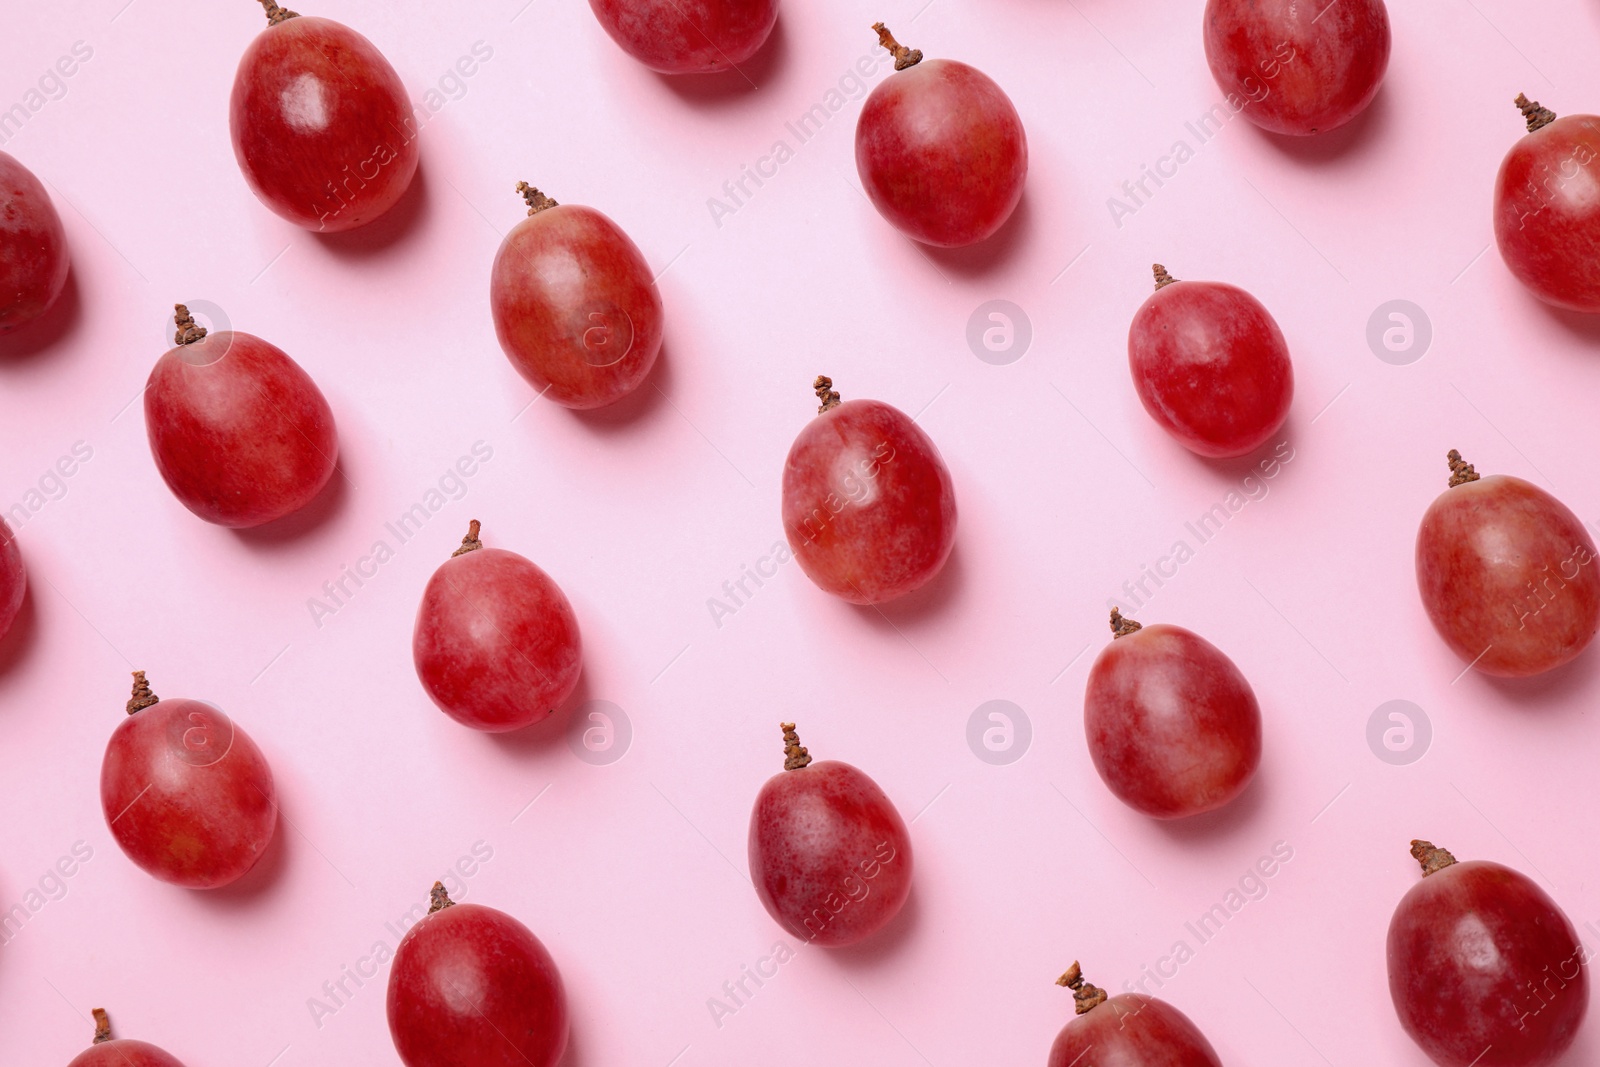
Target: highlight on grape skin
[1508,574]
[186,793]
[1547,207]
[576,308]
[940,149]
[869,509]
[322,126]
[829,854]
[239,432]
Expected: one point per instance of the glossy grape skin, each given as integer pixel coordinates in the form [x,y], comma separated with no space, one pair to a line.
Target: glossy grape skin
[1173,726]
[1480,546]
[575,306]
[496,642]
[868,505]
[1547,212]
[13,578]
[108,1051]
[240,434]
[688,36]
[1319,64]
[941,153]
[187,795]
[829,854]
[33,247]
[472,987]
[1211,367]
[1130,1030]
[322,126]
[1468,947]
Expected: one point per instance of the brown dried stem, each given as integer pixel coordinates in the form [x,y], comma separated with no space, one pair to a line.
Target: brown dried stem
[794,753]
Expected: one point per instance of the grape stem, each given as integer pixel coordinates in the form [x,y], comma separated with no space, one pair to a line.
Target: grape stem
[1084,995]
[469,543]
[102,1026]
[1433,859]
[1461,471]
[823,387]
[536,200]
[142,696]
[439,898]
[795,756]
[1121,627]
[1538,117]
[189,331]
[276,14]
[903,57]
[1163,279]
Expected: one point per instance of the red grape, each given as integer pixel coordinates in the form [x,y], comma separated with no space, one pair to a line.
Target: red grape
[33,247]
[868,507]
[496,643]
[1507,574]
[1294,67]
[108,1051]
[240,433]
[1174,729]
[1210,366]
[575,305]
[940,149]
[1547,207]
[472,987]
[13,578]
[688,36]
[829,854]
[188,796]
[1127,1030]
[1484,967]
[321,124]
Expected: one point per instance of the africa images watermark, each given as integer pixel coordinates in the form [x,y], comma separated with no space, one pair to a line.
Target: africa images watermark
[337,592]
[448,87]
[337,992]
[851,85]
[1201,530]
[1252,887]
[1136,192]
[49,87]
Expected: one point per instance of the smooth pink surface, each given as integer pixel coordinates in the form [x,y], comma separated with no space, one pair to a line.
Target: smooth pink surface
[1485,968]
[1304,67]
[688,36]
[634,873]
[1547,211]
[942,152]
[1509,576]
[496,644]
[829,853]
[1173,728]
[187,794]
[33,247]
[1211,366]
[868,504]
[1132,1031]
[473,987]
[575,306]
[321,125]
[239,432]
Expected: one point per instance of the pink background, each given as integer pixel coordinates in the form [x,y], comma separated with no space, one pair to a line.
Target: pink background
[633,873]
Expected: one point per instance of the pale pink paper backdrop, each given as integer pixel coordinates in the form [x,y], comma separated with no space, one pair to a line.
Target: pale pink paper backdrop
[633,872]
